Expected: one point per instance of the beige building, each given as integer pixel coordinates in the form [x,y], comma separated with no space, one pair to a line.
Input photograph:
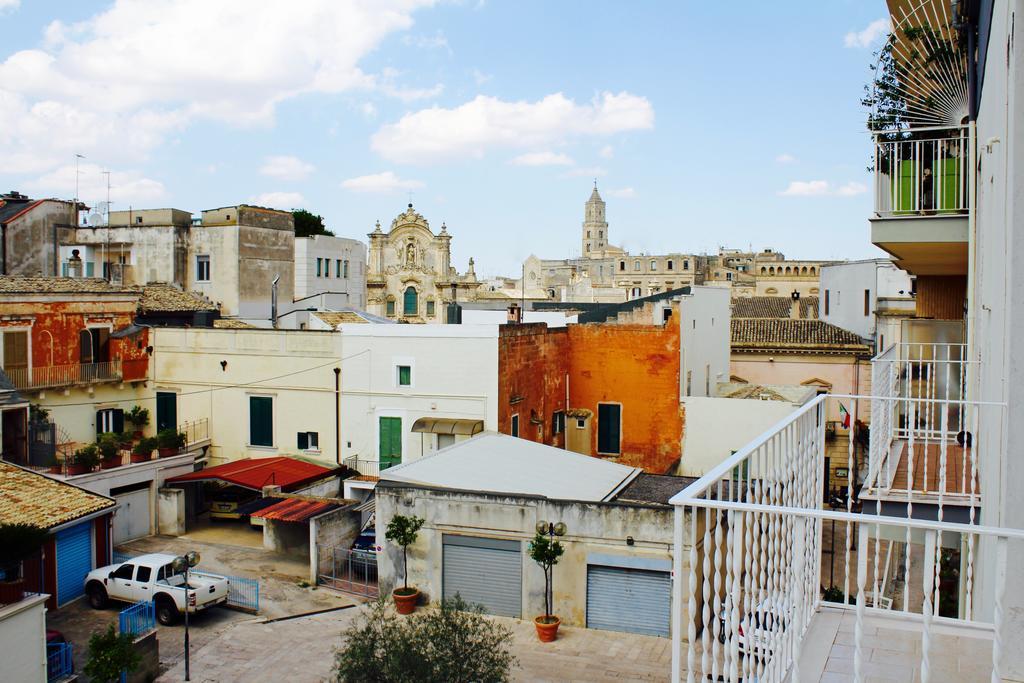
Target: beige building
[409,273]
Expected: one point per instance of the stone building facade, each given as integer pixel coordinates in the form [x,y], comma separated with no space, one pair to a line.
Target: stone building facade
[409,275]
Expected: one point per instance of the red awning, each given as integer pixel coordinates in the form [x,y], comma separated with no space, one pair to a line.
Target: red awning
[294,510]
[250,473]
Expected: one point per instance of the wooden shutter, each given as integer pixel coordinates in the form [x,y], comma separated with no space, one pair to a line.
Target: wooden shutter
[16,350]
[261,421]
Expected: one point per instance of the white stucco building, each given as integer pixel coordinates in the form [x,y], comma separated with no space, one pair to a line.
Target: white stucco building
[330,272]
[869,297]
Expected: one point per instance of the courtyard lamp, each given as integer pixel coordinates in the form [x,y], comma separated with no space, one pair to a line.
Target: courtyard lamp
[182,564]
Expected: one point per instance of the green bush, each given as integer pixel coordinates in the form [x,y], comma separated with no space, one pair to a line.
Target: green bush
[138,416]
[451,641]
[170,438]
[110,653]
[109,446]
[145,446]
[88,455]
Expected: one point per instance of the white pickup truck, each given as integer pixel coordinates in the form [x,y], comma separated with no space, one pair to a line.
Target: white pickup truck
[151,577]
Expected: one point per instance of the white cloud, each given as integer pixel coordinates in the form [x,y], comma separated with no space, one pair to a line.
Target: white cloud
[785,159]
[286,168]
[387,84]
[9,4]
[127,188]
[822,188]
[130,75]
[380,182]
[438,41]
[877,29]
[279,200]
[623,193]
[542,159]
[369,109]
[607,152]
[485,122]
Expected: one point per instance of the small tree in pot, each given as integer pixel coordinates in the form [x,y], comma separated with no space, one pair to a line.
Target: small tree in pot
[18,542]
[139,417]
[143,450]
[170,442]
[403,531]
[109,446]
[84,460]
[546,551]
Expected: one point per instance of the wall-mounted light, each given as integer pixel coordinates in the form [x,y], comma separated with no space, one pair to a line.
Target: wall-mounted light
[629,540]
[149,350]
[224,365]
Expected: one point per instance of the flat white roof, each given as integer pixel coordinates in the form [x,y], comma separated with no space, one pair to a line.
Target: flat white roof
[500,463]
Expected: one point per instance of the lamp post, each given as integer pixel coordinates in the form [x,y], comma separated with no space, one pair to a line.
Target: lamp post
[182,564]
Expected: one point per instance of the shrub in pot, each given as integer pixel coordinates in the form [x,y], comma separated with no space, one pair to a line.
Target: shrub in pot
[18,542]
[84,460]
[403,530]
[546,551]
[139,418]
[109,446]
[143,450]
[170,442]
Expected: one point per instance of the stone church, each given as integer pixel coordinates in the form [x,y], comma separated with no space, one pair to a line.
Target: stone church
[409,276]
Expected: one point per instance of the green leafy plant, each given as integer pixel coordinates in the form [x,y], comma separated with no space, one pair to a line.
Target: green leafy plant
[546,552]
[308,224]
[145,446]
[38,415]
[138,416]
[87,456]
[170,438]
[451,641]
[18,542]
[110,653]
[403,531]
[109,446]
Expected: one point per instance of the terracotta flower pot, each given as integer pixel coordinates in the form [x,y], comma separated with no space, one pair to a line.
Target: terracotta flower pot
[141,457]
[111,463]
[547,631]
[137,434]
[12,591]
[56,468]
[405,603]
[77,468]
[167,452]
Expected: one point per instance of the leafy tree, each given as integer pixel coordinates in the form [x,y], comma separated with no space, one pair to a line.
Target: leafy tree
[110,653]
[546,552]
[451,641]
[403,531]
[308,224]
[18,542]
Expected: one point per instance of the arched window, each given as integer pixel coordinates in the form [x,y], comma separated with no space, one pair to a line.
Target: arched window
[636,265]
[635,293]
[764,271]
[788,270]
[803,271]
[812,270]
[771,271]
[410,303]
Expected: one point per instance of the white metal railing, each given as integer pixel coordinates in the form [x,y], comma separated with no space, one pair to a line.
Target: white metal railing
[921,177]
[47,376]
[195,431]
[751,532]
[366,466]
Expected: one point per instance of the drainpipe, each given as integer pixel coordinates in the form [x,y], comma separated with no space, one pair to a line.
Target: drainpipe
[337,415]
[273,301]
[3,249]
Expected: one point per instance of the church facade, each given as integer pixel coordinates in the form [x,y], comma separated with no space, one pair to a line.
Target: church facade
[409,275]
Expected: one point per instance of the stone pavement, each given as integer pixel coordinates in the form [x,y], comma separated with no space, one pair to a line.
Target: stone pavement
[302,649]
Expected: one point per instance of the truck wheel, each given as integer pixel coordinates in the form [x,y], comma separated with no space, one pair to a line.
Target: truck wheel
[97,596]
[166,611]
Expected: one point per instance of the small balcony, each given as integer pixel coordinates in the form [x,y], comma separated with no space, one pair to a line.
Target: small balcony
[57,376]
[922,198]
[367,467]
[771,584]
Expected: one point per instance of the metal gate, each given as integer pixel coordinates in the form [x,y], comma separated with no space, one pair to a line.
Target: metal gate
[349,571]
[74,561]
[484,571]
[630,600]
[42,443]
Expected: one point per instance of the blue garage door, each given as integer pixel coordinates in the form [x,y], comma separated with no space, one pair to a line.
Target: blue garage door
[74,561]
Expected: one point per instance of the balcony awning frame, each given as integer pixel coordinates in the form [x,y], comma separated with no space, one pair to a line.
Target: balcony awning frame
[448,425]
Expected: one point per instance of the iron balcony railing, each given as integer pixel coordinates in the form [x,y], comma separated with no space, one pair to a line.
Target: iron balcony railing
[51,376]
[921,176]
[749,576]
[195,431]
[366,466]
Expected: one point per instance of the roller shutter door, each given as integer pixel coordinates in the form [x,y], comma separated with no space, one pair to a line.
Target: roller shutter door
[131,520]
[74,561]
[631,600]
[484,571]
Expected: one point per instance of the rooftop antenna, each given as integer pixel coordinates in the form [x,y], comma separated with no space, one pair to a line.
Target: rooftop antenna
[77,157]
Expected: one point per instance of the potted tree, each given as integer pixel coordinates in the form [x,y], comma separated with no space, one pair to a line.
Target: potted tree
[169,442]
[139,418]
[546,551]
[18,542]
[143,450]
[84,460]
[403,531]
[109,446]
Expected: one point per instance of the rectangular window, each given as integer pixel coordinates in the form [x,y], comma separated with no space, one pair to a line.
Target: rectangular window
[609,428]
[581,423]
[391,309]
[308,441]
[557,422]
[689,382]
[94,345]
[338,270]
[109,420]
[826,301]
[867,302]
[707,380]
[390,441]
[430,309]
[327,267]
[404,375]
[16,350]
[166,410]
[344,265]
[515,425]
[142,574]
[203,268]
[261,421]
[319,266]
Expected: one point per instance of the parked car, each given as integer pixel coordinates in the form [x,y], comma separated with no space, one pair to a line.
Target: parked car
[226,502]
[152,577]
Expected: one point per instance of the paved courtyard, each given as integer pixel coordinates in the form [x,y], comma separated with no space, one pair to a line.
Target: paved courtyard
[302,649]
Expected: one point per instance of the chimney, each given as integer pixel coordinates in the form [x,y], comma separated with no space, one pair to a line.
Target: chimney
[515,313]
[794,305]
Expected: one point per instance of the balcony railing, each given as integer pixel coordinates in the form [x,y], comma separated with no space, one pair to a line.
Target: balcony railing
[749,569]
[195,431]
[51,376]
[365,466]
[921,177]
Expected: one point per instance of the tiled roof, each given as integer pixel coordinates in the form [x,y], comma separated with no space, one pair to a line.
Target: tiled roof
[30,498]
[335,318]
[232,324]
[295,510]
[15,284]
[787,333]
[772,307]
[167,298]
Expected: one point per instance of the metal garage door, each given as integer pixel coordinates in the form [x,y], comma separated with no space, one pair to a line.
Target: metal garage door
[632,600]
[131,520]
[485,571]
[74,561]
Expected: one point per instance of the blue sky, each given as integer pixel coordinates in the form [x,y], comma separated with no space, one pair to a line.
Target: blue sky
[705,124]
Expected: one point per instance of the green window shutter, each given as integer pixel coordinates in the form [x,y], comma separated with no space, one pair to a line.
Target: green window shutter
[390,440]
[404,376]
[261,421]
[410,303]
[166,410]
[118,420]
[302,441]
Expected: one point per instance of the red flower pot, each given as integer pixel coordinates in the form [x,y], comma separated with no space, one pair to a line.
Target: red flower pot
[110,464]
[167,452]
[76,468]
[137,434]
[547,631]
[141,457]
[405,603]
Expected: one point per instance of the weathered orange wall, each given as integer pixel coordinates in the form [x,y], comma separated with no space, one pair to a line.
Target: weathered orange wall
[635,365]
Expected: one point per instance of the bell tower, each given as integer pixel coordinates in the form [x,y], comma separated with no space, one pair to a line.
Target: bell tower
[595,227]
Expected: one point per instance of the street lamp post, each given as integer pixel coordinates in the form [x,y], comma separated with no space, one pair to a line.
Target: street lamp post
[183,564]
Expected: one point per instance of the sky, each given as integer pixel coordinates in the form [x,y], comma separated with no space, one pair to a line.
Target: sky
[705,124]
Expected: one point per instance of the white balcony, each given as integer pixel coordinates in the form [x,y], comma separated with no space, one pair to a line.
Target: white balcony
[771,585]
[366,467]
